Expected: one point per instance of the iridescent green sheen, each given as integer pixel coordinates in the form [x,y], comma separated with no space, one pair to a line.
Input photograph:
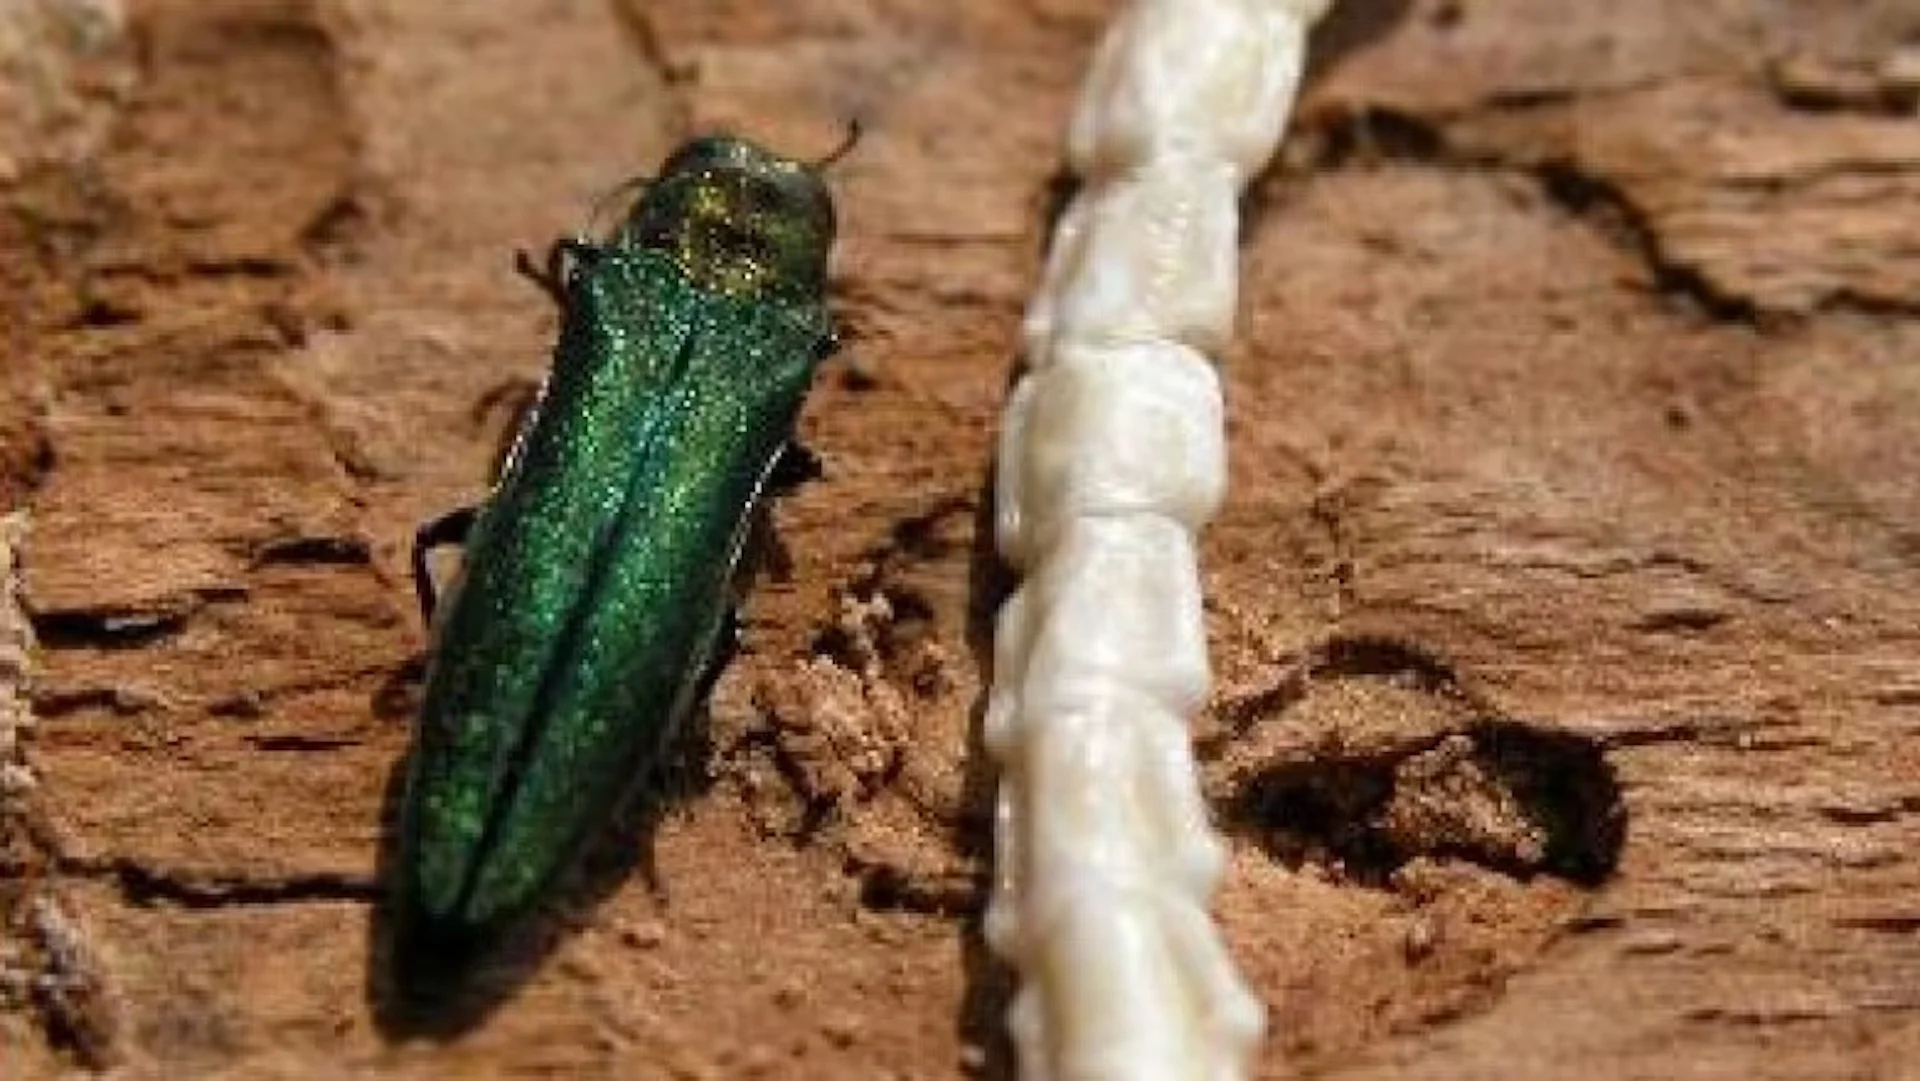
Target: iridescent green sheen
[597,577]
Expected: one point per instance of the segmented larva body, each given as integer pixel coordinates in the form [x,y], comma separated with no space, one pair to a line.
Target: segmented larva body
[1112,457]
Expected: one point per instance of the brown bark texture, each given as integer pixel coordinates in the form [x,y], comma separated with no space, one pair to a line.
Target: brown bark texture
[1565,607]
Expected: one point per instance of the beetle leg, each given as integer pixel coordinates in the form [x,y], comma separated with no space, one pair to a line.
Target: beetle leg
[797,466]
[829,345]
[448,529]
[726,646]
[518,397]
[581,253]
[555,275]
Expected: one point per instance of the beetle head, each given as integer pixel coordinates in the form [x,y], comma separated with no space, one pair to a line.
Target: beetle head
[738,219]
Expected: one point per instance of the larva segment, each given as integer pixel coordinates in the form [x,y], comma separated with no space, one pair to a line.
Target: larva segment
[1206,80]
[1117,604]
[1147,257]
[1109,431]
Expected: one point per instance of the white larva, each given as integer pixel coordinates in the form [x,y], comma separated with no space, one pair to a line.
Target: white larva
[1112,457]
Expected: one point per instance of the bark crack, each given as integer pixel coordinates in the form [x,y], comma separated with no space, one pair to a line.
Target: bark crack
[144,885]
[1682,260]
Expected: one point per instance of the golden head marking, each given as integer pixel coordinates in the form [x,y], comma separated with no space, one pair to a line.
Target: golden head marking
[738,219]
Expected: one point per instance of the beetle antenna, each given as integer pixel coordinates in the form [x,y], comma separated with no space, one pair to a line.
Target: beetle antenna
[600,203]
[847,143]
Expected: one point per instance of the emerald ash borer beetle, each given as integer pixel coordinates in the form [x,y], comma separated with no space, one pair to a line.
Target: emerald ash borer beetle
[596,588]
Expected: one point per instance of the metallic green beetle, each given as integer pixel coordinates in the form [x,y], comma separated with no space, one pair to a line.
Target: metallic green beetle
[597,577]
